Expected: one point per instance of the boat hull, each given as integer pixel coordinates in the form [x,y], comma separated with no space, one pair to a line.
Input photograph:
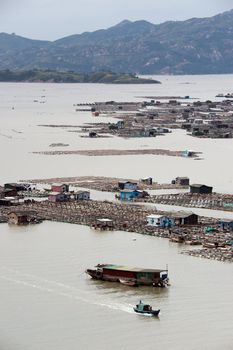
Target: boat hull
[98,275]
[131,283]
[148,313]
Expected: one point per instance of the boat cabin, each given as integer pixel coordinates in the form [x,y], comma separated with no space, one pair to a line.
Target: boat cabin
[143,307]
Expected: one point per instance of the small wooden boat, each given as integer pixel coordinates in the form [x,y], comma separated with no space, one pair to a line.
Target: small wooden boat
[145,309]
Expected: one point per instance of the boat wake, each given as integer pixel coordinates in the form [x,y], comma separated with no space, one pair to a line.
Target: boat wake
[60,289]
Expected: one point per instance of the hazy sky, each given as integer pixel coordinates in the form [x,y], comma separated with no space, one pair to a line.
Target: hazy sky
[53,19]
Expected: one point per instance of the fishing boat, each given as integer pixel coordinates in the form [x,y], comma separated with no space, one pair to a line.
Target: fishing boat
[131,276]
[145,309]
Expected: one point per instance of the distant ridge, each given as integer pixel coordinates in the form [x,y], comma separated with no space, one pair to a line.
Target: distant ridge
[194,46]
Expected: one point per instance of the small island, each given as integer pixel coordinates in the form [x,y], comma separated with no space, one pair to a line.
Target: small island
[53,76]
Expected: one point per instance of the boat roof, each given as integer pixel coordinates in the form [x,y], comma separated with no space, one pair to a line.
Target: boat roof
[127,268]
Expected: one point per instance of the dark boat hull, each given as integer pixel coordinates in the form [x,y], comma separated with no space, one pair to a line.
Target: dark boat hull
[98,275]
[151,313]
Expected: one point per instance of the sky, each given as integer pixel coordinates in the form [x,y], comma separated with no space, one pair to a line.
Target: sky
[54,19]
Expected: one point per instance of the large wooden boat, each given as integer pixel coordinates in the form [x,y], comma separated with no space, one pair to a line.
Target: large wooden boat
[131,276]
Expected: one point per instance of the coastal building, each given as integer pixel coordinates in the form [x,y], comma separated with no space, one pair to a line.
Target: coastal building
[132,194]
[201,189]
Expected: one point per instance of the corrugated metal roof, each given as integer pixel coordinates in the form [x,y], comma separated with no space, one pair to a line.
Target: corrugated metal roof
[128,268]
[181,214]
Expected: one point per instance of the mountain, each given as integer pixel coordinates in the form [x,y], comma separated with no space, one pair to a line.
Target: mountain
[194,46]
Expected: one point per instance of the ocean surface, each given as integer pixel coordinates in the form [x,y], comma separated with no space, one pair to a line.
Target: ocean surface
[46,300]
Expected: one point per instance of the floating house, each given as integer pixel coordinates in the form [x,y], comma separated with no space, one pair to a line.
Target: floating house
[127,185]
[80,195]
[15,187]
[129,194]
[60,188]
[182,181]
[174,219]
[183,218]
[58,197]
[68,196]
[201,189]
[155,220]
[132,194]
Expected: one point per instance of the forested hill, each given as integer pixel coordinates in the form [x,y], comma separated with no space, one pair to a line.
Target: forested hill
[38,75]
[195,46]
